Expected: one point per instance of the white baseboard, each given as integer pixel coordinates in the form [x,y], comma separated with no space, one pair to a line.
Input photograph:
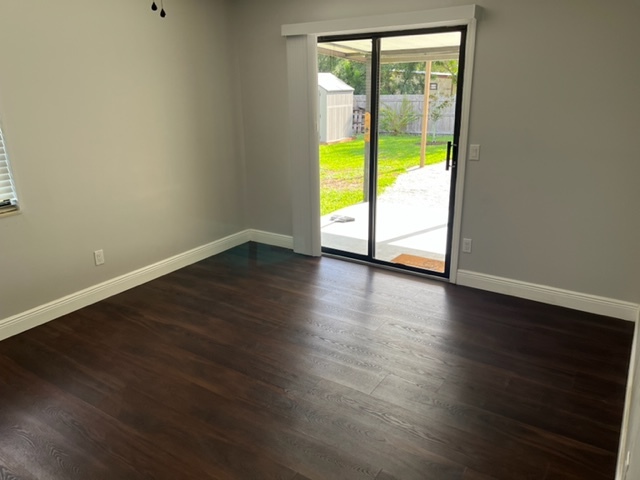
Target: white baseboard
[23,321]
[553,296]
[625,431]
[578,301]
[75,301]
[274,239]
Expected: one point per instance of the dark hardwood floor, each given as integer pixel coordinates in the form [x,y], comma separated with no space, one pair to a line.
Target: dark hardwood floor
[261,364]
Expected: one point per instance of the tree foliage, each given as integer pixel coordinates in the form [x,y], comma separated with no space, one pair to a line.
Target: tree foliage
[402,78]
[447,66]
[396,122]
[353,74]
[395,78]
[438,105]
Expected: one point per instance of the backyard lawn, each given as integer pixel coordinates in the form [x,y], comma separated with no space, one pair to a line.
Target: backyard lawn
[341,167]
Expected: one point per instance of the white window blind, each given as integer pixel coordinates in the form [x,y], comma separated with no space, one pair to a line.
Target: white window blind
[7,188]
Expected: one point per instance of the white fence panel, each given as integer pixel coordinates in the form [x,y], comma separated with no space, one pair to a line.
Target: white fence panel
[443,126]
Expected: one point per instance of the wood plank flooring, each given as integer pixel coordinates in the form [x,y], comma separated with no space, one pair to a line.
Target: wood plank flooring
[262,364]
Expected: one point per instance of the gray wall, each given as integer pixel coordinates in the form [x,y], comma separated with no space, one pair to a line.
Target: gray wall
[554,199]
[121,131]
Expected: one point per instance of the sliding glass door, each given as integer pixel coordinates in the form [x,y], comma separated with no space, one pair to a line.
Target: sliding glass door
[388,124]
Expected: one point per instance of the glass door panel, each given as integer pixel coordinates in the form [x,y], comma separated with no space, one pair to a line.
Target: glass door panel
[344,103]
[416,121]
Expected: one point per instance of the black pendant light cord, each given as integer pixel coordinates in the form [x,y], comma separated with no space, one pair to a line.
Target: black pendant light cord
[154,7]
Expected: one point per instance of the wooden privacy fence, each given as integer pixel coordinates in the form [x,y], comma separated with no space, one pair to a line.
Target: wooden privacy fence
[443,126]
[358,120]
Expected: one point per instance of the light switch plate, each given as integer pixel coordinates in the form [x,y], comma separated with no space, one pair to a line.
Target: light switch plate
[474,152]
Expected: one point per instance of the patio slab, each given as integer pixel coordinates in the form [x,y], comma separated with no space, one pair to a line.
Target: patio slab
[412,218]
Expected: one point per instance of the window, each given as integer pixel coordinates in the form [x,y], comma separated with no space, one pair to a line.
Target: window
[8,198]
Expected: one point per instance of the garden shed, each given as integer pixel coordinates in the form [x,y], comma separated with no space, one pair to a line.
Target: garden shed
[335,108]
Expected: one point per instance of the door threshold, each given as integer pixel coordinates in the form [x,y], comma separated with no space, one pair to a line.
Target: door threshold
[390,267]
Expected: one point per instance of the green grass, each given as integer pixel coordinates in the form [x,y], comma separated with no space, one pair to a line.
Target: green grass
[341,167]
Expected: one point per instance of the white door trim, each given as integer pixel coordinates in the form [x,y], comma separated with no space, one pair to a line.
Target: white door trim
[437,17]
[303,131]
[463,143]
[303,143]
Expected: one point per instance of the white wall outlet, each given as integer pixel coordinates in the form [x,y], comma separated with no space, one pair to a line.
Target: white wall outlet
[466,245]
[98,256]
[474,152]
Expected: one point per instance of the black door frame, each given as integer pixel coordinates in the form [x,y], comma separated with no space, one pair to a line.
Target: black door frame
[373,144]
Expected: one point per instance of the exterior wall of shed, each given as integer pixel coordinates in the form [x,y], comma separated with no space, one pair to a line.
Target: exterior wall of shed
[322,115]
[336,116]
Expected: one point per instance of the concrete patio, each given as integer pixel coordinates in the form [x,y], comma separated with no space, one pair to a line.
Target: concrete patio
[412,218]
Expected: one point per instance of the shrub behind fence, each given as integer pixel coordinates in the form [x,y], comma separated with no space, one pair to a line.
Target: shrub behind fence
[443,126]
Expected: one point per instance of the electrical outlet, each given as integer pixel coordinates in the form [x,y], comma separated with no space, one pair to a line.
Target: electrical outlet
[98,256]
[474,152]
[466,245]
